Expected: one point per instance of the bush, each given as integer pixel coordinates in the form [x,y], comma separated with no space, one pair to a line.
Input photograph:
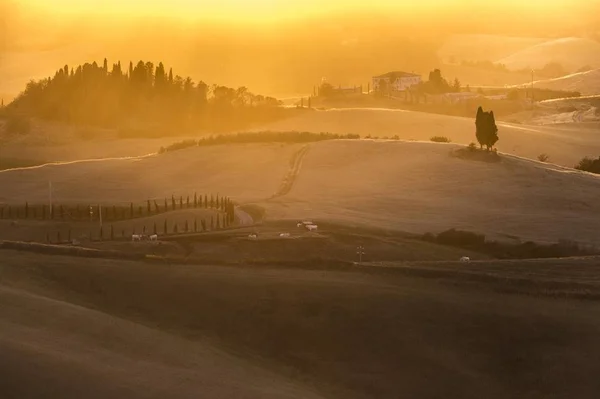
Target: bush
[440,139]
[259,137]
[472,147]
[180,145]
[543,157]
[589,165]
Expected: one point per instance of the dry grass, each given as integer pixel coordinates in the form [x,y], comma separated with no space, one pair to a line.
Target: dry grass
[418,187]
[117,329]
[566,144]
[414,187]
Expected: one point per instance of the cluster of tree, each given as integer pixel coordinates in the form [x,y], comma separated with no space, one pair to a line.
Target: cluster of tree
[437,84]
[116,212]
[217,222]
[486,130]
[477,242]
[258,137]
[142,96]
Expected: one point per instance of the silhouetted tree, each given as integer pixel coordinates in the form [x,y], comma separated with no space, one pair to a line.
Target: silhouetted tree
[486,129]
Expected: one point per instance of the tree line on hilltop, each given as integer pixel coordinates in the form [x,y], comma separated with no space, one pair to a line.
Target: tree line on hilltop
[143,97]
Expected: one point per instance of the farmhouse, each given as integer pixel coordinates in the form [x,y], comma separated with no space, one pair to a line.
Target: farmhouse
[396,81]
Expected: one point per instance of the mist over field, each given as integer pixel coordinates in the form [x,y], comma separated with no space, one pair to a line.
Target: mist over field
[299,199]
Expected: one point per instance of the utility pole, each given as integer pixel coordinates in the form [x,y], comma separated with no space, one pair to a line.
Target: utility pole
[50,197]
[532,89]
[360,251]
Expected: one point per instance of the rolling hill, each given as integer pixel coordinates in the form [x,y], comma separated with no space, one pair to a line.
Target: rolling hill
[565,144]
[587,83]
[571,52]
[414,187]
[480,47]
[96,329]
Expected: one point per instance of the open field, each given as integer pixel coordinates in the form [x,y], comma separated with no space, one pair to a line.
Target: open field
[404,186]
[566,144]
[571,52]
[587,83]
[128,330]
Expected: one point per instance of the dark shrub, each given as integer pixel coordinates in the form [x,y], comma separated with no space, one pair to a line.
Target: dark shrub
[589,165]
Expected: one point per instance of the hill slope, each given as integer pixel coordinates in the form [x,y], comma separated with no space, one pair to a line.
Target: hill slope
[74,329]
[571,52]
[415,187]
[566,145]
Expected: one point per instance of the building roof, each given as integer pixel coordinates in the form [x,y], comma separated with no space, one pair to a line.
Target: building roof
[397,74]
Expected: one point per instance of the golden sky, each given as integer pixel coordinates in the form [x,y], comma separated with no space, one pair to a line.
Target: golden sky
[283,9]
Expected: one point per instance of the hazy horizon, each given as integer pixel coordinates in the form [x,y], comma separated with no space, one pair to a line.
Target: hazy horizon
[275,47]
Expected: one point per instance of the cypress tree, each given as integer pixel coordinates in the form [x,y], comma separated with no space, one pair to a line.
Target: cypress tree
[43,212]
[175,228]
[172,202]
[131,210]
[154,230]
[203,225]
[166,206]
[140,210]
[26,210]
[195,200]
[156,210]
[62,213]
[181,202]
[144,229]
[205,201]
[149,209]
[114,213]
[217,202]
[186,226]
[58,237]
[101,234]
[195,225]
[218,222]
[212,223]
[212,201]
[165,231]
[188,201]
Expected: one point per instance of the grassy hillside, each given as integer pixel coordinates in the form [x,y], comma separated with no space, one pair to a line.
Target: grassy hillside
[566,145]
[571,52]
[248,172]
[127,330]
[587,83]
[414,187]
[419,187]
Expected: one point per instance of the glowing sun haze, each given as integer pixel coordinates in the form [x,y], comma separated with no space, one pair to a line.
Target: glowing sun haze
[275,9]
